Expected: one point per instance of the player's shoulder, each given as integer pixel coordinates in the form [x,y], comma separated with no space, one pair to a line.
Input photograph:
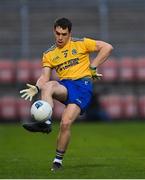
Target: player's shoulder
[81,40]
[50,49]
[75,39]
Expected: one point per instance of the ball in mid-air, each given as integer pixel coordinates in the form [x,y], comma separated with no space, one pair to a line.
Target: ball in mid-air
[41,110]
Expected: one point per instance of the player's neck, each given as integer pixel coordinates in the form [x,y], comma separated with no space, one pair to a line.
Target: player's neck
[66,44]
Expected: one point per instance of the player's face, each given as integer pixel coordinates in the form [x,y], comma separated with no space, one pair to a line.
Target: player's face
[62,36]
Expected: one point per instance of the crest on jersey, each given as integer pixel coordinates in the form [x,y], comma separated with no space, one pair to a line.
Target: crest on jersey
[74,51]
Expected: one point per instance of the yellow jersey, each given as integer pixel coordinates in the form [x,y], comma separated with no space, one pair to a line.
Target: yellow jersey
[72,61]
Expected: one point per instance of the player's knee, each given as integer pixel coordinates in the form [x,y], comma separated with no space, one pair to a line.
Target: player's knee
[65,125]
[49,86]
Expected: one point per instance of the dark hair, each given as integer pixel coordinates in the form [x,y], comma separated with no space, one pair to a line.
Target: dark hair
[63,23]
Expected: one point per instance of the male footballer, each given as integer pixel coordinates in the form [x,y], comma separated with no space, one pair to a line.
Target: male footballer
[70,58]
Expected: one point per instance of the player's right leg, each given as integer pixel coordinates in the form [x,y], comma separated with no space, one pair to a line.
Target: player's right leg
[50,90]
[69,115]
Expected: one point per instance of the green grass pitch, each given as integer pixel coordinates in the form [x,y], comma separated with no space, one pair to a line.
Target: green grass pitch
[96,151]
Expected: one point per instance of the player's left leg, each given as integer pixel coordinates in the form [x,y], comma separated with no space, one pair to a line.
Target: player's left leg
[50,90]
[69,115]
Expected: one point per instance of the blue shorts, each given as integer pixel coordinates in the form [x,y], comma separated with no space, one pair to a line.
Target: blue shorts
[79,92]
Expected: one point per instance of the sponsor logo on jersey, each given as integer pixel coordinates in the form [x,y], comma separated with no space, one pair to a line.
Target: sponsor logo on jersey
[67,64]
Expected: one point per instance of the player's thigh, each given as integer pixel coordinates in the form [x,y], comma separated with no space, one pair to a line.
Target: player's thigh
[59,91]
[71,112]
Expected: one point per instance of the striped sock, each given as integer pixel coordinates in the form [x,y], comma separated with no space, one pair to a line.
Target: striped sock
[59,156]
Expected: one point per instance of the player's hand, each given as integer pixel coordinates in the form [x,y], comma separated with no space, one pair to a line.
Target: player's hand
[30,92]
[95,74]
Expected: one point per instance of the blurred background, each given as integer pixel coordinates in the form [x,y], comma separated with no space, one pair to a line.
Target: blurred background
[26,32]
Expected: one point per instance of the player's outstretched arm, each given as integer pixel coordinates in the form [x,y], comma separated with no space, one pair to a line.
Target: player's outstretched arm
[32,90]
